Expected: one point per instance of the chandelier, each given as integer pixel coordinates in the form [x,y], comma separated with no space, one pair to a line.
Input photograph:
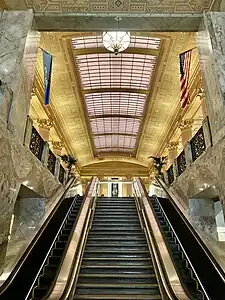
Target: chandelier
[116,41]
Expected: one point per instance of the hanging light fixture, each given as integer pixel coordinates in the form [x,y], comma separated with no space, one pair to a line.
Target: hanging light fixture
[116,41]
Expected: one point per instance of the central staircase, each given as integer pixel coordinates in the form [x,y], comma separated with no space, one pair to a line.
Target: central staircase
[116,262]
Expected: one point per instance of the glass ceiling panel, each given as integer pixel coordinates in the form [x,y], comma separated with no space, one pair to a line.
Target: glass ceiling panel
[115,115]
[115,141]
[115,103]
[96,42]
[115,125]
[105,70]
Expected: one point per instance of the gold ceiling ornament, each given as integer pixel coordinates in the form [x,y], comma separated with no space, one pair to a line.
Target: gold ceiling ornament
[187,123]
[173,145]
[116,41]
[45,123]
[58,145]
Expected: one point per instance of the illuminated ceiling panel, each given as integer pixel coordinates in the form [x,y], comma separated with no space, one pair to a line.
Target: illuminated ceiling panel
[87,42]
[115,103]
[115,125]
[105,70]
[115,89]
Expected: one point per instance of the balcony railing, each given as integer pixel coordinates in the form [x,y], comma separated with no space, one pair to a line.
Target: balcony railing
[36,144]
[61,174]
[181,163]
[198,144]
[196,147]
[170,174]
[51,162]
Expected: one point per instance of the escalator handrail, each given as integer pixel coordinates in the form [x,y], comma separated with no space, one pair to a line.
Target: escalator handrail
[64,274]
[181,246]
[50,249]
[35,239]
[171,281]
[72,282]
[192,230]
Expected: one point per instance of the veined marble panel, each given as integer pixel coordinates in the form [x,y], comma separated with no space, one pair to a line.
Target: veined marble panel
[207,172]
[18,52]
[211,46]
[18,165]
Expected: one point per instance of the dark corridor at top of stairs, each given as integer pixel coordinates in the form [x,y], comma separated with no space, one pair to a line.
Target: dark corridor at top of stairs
[116,262]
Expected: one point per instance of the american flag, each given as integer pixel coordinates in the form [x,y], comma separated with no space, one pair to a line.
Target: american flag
[185,61]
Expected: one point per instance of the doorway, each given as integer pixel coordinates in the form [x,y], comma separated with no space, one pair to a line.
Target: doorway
[115,190]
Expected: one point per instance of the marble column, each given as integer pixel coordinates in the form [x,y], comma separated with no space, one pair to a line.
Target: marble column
[172,152]
[44,126]
[18,53]
[211,47]
[186,131]
[57,147]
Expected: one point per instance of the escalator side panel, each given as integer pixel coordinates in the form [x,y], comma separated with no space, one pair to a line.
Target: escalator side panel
[209,277]
[25,276]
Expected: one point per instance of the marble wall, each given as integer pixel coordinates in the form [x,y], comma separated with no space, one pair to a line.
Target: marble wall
[19,166]
[211,47]
[18,52]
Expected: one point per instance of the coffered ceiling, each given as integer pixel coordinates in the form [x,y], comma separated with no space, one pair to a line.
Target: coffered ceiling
[73,102]
[121,6]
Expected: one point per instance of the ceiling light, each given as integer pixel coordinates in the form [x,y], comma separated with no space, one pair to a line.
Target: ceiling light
[116,41]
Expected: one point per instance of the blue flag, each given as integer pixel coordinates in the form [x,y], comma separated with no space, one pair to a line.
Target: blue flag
[47,61]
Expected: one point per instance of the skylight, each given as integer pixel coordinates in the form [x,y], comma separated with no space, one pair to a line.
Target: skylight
[115,89]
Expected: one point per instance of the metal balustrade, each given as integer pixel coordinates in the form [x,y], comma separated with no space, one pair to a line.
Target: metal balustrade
[61,174]
[181,163]
[51,162]
[198,144]
[170,174]
[36,144]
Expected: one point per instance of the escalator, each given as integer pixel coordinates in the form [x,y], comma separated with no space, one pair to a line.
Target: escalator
[48,271]
[116,262]
[208,275]
[23,275]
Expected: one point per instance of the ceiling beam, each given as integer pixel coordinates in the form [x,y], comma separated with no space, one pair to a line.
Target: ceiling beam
[114,133]
[133,50]
[98,149]
[115,116]
[113,90]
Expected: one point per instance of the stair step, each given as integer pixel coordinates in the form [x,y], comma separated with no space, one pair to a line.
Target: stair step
[130,238]
[115,249]
[114,244]
[117,291]
[118,297]
[116,270]
[118,285]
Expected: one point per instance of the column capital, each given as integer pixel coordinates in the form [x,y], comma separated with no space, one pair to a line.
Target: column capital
[45,123]
[58,145]
[173,145]
[187,123]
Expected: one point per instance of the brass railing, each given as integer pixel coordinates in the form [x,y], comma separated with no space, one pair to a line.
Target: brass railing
[181,163]
[170,174]
[51,162]
[61,174]
[36,144]
[198,144]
